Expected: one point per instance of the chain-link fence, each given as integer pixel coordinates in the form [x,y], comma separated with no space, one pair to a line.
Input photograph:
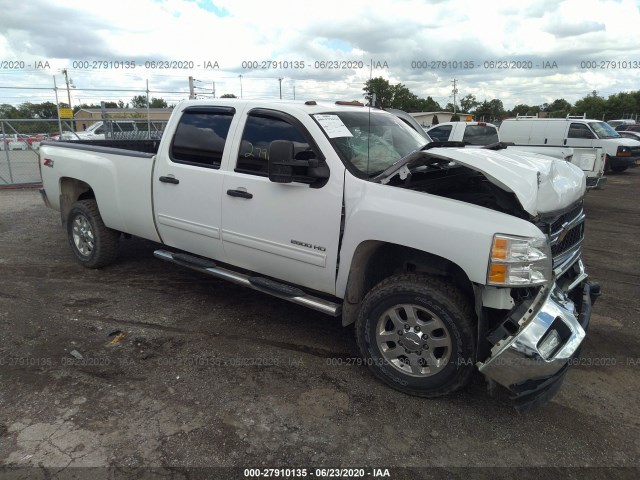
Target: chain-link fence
[20,141]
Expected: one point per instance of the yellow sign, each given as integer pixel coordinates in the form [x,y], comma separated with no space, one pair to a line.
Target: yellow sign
[468,118]
[65,112]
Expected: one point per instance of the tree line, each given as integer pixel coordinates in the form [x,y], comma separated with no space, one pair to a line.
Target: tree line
[619,105]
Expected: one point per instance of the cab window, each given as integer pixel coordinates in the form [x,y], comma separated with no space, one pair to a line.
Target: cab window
[200,137]
[259,131]
[440,134]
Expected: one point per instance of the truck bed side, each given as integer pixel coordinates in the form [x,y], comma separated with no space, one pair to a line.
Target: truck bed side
[120,181]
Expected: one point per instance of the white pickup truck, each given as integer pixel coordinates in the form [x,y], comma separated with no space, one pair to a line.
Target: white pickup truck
[448,260]
[591,160]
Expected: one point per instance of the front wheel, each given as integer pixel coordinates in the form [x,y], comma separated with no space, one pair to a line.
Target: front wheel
[416,333]
[93,244]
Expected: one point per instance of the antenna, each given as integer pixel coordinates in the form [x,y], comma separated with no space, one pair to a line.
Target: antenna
[373,101]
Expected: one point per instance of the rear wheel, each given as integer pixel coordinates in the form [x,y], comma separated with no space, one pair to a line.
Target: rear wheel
[416,334]
[93,244]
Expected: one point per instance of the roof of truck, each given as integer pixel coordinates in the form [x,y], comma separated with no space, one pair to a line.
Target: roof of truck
[307,106]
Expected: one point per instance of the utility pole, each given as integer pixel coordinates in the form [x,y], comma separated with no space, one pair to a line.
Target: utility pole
[280,80]
[214,89]
[55,89]
[240,85]
[192,94]
[455,92]
[66,79]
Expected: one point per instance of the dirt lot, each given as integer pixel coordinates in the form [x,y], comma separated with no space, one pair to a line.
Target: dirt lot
[212,374]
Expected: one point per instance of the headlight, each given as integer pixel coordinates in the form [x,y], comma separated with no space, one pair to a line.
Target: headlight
[519,261]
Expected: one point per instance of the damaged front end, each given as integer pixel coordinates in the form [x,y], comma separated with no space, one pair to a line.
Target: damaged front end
[531,347]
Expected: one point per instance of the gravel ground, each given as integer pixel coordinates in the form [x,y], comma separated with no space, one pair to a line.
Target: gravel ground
[146,364]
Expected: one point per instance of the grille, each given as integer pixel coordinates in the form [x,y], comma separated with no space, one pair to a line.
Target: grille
[564,244]
[566,217]
[573,236]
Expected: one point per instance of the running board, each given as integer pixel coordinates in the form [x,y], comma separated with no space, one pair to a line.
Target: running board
[265,285]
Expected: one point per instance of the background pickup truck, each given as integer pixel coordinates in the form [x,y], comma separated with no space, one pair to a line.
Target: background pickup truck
[591,160]
[448,260]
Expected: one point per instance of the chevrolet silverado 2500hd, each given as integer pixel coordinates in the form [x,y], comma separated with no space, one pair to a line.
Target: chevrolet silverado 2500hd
[448,260]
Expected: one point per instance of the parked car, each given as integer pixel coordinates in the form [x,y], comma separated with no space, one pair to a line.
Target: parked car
[624,121]
[630,134]
[621,153]
[447,260]
[627,128]
[13,142]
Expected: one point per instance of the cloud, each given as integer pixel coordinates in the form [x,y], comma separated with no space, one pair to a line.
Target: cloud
[563,29]
[236,34]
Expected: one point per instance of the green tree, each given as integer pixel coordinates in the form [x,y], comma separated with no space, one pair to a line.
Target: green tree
[158,103]
[139,101]
[524,109]
[382,89]
[228,95]
[427,105]
[592,105]
[9,111]
[468,103]
[558,108]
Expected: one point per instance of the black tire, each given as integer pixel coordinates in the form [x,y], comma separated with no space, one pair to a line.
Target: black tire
[93,244]
[442,310]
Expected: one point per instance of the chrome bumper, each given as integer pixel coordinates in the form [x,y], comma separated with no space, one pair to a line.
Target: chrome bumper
[518,359]
[520,364]
[596,182]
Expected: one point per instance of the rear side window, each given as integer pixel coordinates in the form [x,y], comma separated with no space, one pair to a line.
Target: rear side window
[200,138]
[440,134]
[259,132]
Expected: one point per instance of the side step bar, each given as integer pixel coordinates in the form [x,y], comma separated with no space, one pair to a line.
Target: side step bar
[265,285]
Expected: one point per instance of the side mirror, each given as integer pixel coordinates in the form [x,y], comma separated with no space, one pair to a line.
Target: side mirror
[285,168]
[281,161]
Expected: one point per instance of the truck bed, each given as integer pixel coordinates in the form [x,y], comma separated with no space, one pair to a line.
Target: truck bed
[120,180]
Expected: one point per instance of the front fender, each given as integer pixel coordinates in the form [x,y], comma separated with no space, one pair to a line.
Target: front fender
[454,230]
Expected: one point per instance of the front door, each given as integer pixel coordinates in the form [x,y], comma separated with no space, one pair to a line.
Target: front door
[287,231]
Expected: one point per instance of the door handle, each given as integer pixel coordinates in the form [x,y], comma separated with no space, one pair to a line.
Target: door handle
[169,180]
[239,193]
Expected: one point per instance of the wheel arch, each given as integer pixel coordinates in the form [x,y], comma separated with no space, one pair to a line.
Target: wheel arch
[72,190]
[373,261]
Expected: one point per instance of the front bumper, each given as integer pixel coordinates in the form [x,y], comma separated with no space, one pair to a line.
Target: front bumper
[518,363]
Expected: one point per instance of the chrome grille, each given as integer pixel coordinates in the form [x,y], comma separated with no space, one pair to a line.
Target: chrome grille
[573,236]
[566,233]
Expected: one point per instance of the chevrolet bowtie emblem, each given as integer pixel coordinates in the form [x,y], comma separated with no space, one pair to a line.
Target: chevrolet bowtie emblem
[563,233]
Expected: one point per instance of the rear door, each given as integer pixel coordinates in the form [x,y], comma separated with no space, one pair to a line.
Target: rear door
[289,231]
[187,181]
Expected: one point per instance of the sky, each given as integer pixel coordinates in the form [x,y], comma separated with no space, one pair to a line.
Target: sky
[528,51]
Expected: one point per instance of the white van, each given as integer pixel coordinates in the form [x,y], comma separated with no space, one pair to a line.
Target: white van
[622,153]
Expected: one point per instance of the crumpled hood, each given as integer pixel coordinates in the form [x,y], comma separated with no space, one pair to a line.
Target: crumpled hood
[542,184]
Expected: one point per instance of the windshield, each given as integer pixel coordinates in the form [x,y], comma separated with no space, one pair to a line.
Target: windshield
[371,142]
[603,130]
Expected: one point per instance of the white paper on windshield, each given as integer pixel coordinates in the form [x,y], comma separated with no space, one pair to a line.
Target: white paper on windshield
[333,126]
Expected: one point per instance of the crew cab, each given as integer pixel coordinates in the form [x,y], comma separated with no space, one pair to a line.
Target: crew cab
[591,160]
[449,261]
